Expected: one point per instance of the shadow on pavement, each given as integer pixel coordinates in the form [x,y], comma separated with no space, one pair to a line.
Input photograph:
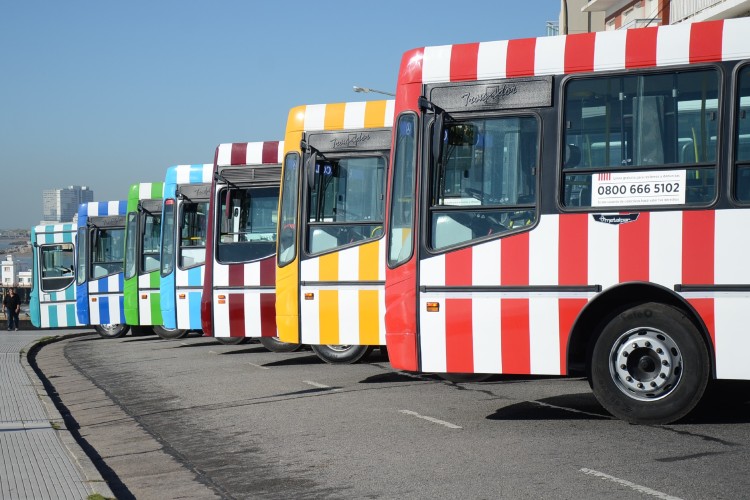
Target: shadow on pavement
[140,339]
[247,350]
[386,378]
[296,360]
[565,407]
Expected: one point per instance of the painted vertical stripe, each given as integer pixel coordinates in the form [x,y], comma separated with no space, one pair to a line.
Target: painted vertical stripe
[463,63]
[459,355]
[329,316]
[544,335]
[458,267]
[349,308]
[268,314]
[369,261]
[520,60]
[491,60]
[634,249]
[640,48]
[579,52]
[355,115]
[515,260]
[569,310]
[698,247]
[375,112]
[334,118]
[514,325]
[665,249]
[270,152]
[573,249]
[236,303]
[486,344]
[370,317]
[706,41]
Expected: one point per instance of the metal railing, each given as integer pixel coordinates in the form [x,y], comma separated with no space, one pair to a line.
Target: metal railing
[679,10]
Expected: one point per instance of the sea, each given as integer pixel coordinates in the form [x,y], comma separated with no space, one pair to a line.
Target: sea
[24,260]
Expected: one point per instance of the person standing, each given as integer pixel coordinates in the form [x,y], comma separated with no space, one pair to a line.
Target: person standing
[12,303]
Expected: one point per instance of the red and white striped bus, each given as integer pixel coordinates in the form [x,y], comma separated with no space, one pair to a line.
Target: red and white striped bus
[239,285]
[576,205]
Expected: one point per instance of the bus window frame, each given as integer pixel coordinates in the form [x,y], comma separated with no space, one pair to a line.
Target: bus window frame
[415,165]
[81,248]
[221,191]
[162,271]
[178,240]
[132,224]
[90,253]
[141,238]
[734,123]
[41,268]
[304,215]
[426,168]
[560,139]
[280,214]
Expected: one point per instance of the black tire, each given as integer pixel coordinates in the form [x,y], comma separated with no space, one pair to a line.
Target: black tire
[231,340]
[112,331]
[650,365]
[341,354]
[273,344]
[169,333]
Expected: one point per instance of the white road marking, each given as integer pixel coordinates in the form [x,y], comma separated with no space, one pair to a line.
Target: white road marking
[213,352]
[259,366]
[636,487]
[183,343]
[316,384]
[431,419]
[572,410]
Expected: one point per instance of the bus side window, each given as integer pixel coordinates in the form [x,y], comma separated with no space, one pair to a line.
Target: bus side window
[742,142]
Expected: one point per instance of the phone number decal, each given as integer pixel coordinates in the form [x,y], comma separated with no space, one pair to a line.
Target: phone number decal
[638,188]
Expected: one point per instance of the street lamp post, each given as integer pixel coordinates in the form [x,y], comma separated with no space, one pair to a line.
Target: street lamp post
[367,90]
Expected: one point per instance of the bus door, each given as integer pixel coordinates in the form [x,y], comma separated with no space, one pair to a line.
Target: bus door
[479,204]
[192,214]
[101,247]
[53,297]
[244,271]
[342,273]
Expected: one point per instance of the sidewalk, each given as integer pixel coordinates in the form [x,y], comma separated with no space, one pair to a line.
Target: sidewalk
[36,451]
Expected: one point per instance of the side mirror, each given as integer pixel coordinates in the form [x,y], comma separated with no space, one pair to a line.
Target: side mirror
[310,170]
[228,204]
[437,137]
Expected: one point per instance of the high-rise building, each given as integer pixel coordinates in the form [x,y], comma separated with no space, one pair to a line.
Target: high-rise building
[61,205]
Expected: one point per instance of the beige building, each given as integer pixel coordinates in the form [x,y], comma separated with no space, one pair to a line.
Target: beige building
[624,14]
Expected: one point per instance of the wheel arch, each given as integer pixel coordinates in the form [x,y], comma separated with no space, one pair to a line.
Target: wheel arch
[612,301]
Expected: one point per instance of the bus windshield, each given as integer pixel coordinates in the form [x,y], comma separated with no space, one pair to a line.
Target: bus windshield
[247,224]
[346,202]
[193,233]
[57,266]
[151,235]
[107,252]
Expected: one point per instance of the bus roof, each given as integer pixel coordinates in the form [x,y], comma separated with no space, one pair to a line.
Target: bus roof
[188,174]
[341,116]
[249,153]
[722,40]
[101,209]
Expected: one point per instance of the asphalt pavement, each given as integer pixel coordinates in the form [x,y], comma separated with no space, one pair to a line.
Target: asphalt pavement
[194,418]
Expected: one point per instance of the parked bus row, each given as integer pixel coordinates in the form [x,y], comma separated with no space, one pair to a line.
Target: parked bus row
[569,205]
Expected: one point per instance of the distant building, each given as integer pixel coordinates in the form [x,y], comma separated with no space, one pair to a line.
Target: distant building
[61,205]
[24,279]
[624,14]
[573,19]
[9,275]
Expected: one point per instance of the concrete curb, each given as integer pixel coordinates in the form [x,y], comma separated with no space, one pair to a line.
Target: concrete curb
[94,479]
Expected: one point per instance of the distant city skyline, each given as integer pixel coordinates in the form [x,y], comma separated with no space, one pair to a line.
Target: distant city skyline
[61,204]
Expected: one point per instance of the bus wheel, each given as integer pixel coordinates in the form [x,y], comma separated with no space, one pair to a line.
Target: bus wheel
[231,340]
[341,354]
[650,365]
[273,344]
[169,333]
[112,331]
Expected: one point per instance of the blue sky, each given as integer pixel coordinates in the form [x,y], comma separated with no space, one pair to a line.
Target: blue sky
[106,94]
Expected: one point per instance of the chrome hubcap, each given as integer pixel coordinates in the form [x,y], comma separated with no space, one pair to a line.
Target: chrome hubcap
[646,364]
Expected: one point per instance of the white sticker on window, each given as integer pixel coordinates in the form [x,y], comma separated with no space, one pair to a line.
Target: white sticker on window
[665,187]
